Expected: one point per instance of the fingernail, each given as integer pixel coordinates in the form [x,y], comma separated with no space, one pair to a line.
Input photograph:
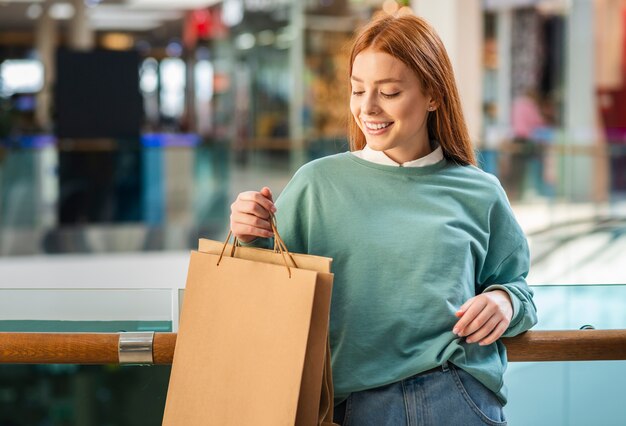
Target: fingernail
[273,209]
[455,330]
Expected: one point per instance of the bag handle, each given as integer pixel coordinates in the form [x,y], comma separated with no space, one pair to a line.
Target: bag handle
[279,246]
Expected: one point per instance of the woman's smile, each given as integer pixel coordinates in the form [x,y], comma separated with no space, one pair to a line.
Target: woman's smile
[377,127]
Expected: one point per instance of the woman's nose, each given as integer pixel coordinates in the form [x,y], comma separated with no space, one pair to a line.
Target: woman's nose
[370,104]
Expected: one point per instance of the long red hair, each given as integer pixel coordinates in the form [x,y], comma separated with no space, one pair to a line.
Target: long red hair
[413,41]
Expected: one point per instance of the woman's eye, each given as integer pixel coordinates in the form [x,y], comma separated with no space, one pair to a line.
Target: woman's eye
[390,95]
[357,92]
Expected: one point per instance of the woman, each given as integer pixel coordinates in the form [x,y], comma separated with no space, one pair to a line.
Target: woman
[429,261]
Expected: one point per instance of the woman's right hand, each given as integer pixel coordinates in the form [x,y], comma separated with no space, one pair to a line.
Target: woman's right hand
[250,215]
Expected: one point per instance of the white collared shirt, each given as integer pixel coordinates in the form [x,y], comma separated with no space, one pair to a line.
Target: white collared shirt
[379,157]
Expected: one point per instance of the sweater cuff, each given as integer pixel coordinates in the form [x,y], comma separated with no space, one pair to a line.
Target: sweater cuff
[250,243]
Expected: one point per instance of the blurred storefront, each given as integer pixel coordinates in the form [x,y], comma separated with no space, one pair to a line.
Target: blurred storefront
[553,74]
[229,81]
[100,143]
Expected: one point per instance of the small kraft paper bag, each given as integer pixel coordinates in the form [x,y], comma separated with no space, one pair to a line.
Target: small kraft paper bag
[252,346]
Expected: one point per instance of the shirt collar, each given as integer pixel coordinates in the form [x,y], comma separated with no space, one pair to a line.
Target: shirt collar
[380,157]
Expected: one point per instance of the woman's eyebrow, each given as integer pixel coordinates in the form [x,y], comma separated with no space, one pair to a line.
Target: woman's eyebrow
[384,80]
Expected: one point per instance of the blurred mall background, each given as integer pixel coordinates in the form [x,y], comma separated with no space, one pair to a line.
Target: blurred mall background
[127,127]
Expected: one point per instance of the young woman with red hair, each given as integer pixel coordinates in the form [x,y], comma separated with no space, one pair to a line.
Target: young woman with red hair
[429,261]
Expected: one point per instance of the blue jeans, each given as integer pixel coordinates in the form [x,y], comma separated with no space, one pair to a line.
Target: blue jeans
[447,396]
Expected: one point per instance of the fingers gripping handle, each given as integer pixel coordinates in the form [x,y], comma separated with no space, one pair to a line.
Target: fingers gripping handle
[279,246]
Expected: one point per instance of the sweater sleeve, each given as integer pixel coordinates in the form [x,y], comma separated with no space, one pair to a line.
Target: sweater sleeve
[293,209]
[506,265]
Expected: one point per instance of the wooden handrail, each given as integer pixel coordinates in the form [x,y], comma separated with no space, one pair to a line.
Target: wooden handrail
[567,345]
[102,348]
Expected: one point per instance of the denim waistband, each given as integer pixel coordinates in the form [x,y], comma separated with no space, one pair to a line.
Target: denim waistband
[438,369]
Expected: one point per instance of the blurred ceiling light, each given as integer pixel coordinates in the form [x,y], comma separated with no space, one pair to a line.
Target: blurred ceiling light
[34,11]
[149,79]
[169,4]
[120,17]
[283,40]
[61,11]
[21,76]
[287,34]
[150,64]
[173,78]
[245,41]
[123,13]
[390,6]
[232,12]
[266,38]
[111,25]
[269,5]
[203,75]
[117,41]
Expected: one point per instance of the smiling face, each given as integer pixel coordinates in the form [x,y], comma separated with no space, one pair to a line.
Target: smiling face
[389,106]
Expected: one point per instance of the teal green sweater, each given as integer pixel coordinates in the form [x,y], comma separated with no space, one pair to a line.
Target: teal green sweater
[410,246]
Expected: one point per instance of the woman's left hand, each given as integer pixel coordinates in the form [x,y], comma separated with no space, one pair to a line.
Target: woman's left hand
[484,318]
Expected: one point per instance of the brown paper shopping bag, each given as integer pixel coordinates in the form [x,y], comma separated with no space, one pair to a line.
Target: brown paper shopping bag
[252,346]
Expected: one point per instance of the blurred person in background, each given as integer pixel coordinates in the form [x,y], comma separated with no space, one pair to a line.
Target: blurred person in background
[526,120]
[429,261]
